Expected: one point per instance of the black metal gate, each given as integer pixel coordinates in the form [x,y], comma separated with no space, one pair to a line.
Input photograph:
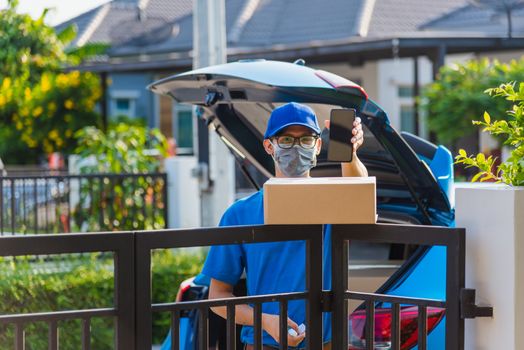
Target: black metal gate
[133,309]
[452,239]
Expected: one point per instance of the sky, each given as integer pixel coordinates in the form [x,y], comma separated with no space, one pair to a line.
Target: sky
[62,9]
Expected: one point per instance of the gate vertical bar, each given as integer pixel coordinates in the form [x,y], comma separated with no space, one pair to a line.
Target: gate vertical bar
[68,194]
[283,324]
[1,206]
[455,280]
[53,335]
[124,297]
[19,337]
[203,329]
[35,198]
[143,336]
[370,325]
[13,208]
[231,328]
[257,325]
[175,330]
[86,334]
[339,279]
[422,327]
[314,286]
[24,208]
[395,327]
[46,205]
[165,201]
[101,205]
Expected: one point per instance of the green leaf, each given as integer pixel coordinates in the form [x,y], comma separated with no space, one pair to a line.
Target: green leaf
[487,118]
[68,34]
[481,158]
[476,177]
[87,51]
[462,153]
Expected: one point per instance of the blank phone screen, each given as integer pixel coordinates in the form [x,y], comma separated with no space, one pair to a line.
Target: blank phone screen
[341,124]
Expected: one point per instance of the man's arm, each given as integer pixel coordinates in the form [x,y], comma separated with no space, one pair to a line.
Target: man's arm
[219,290]
[354,168]
[244,313]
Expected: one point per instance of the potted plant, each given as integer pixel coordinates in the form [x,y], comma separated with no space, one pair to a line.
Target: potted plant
[493,215]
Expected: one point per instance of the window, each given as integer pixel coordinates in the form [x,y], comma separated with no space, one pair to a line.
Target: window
[183,128]
[407,118]
[123,102]
[123,106]
[406,91]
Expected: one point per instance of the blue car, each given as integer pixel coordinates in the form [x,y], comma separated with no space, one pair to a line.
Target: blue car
[414,177]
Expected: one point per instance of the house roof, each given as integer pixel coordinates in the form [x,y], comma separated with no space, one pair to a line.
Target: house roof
[123,22]
[141,31]
[399,17]
[474,19]
[253,23]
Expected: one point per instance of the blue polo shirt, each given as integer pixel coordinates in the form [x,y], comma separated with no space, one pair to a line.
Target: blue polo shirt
[277,267]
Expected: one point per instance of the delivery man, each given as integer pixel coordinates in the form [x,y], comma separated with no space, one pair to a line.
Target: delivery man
[293,140]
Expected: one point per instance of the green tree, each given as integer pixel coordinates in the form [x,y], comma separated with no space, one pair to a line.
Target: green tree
[41,107]
[456,97]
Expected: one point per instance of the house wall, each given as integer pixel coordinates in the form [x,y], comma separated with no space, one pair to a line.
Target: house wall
[382,79]
[132,86]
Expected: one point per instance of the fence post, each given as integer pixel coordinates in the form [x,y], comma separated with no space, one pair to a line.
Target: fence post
[183,195]
[455,280]
[339,280]
[142,295]
[314,286]
[125,286]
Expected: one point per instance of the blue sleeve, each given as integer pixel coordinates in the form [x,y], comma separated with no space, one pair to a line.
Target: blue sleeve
[225,262]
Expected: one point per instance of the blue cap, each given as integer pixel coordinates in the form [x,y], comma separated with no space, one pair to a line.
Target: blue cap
[291,114]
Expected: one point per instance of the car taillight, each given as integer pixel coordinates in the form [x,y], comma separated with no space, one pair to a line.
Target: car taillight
[184,287]
[383,318]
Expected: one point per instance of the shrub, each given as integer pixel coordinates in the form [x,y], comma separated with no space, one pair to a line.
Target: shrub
[511,171]
[128,203]
[80,283]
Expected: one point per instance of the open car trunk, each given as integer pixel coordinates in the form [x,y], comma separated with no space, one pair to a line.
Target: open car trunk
[236,100]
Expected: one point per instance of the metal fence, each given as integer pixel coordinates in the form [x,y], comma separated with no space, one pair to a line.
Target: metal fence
[312,234]
[82,203]
[133,309]
[121,244]
[452,239]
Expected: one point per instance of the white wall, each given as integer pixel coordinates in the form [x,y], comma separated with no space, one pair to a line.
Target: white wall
[381,80]
[492,217]
[394,73]
[183,192]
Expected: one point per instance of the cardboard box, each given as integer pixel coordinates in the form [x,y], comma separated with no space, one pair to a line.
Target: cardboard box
[320,200]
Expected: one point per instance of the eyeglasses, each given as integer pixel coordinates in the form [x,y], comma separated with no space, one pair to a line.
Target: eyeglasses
[286,141]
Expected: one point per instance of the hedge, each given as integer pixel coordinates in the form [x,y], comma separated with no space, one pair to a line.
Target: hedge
[81,282]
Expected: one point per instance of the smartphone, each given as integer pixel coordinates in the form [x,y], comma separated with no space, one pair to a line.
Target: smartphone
[340,148]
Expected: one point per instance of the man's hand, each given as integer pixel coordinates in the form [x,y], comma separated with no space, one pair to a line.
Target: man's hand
[358,135]
[270,323]
[244,314]
[355,167]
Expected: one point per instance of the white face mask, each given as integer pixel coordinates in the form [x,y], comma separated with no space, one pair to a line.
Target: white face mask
[295,161]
